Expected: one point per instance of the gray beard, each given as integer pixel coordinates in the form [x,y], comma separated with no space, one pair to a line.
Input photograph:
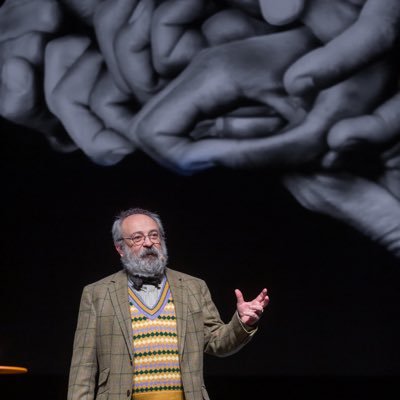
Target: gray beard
[149,262]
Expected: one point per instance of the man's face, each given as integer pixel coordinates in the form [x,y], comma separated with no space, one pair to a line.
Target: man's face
[142,250]
[137,225]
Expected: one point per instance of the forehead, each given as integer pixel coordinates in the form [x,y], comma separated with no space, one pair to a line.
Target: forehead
[138,223]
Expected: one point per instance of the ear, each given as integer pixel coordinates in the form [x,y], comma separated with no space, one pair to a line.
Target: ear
[119,250]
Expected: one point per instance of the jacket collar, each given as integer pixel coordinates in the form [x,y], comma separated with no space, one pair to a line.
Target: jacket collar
[119,298]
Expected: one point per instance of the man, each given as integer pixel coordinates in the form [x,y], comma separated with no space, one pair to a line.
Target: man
[142,331]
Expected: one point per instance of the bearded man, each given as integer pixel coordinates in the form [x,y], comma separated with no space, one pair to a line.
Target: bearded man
[142,331]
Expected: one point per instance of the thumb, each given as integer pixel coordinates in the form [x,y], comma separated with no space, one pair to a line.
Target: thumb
[380,127]
[239,296]
[17,89]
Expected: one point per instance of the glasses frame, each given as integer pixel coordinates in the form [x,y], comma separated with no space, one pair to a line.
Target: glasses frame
[143,238]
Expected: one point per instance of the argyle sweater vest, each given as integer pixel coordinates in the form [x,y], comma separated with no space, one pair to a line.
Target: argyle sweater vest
[157,374]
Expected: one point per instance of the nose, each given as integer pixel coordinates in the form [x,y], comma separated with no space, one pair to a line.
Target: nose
[147,242]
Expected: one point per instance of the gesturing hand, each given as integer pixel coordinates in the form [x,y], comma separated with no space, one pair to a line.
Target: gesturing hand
[250,311]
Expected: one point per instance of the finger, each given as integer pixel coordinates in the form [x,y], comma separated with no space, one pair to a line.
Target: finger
[239,128]
[239,296]
[17,90]
[133,53]
[21,104]
[258,309]
[19,100]
[110,16]
[380,127]
[249,121]
[70,101]
[281,12]
[60,55]
[262,295]
[111,105]
[18,17]
[251,315]
[374,33]
[265,301]
[328,19]
[232,24]
[174,42]
[29,46]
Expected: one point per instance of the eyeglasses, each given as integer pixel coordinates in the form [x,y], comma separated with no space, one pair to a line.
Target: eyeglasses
[138,238]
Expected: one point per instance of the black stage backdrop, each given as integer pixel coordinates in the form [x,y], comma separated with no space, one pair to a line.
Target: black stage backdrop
[334,294]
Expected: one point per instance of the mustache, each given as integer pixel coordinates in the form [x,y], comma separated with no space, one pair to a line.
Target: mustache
[149,252]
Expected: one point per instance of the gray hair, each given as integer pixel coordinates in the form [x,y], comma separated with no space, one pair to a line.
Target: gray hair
[116,229]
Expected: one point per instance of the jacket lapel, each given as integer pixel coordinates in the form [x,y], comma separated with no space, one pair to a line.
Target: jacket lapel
[180,297]
[119,299]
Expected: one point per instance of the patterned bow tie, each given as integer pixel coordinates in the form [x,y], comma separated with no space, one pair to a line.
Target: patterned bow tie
[138,281]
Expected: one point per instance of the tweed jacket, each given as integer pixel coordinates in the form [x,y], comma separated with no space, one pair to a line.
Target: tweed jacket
[102,360]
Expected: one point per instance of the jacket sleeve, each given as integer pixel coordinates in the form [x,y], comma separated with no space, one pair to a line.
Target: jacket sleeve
[83,371]
[222,339]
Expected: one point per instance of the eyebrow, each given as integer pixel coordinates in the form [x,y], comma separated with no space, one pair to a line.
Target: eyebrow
[151,231]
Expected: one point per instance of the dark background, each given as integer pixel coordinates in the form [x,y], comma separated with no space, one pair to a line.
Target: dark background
[332,327]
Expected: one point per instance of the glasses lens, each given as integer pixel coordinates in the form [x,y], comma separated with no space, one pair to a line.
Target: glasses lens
[137,239]
[154,237]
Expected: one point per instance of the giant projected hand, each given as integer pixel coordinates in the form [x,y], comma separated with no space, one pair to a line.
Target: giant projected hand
[166,127]
[25,27]
[78,89]
[370,204]
[218,80]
